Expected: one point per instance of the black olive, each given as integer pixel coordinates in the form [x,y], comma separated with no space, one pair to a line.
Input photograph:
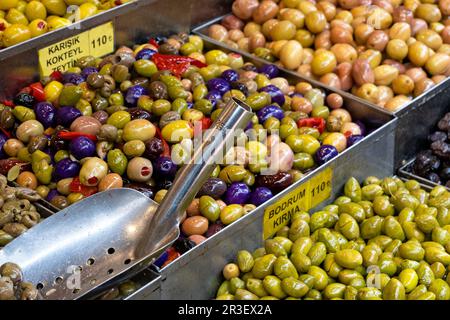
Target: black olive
[440,148]
[183,245]
[138,113]
[444,123]
[249,67]
[445,173]
[143,188]
[240,86]
[164,184]
[433,177]
[437,136]
[153,148]
[56,143]
[24,99]
[213,187]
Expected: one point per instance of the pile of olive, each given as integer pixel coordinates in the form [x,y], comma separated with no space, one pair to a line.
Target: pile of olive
[434,163]
[22,20]
[385,51]
[17,214]
[12,286]
[119,121]
[386,239]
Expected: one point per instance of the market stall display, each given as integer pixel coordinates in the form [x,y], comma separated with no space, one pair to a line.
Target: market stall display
[384,239]
[383,51]
[130,120]
[22,20]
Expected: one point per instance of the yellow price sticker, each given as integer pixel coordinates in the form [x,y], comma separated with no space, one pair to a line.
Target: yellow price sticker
[306,196]
[61,56]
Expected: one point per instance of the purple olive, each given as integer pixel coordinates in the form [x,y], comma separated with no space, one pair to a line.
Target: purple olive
[66,115]
[137,113]
[145,54]
[219,84]
[213,187]
[73,78]
[51,194]
[101,115]
[260,195]
[3,139]
[45,114]
[275,182]
[87,71]
[143,188]
[354,139]
[82,147]
[67,168]
[325,154]
[269,111]
[153,148]
[230,75]
[237,193]
[164,167]
[134,93]
[214,228]
[240,86]
[270,70]
[276,94]
[213,96]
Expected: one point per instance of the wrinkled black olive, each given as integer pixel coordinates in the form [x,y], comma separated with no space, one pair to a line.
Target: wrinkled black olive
[56,143]
[213,187]
[442,149]
[164,184]
[444,123]
[437,136]
[24,99]
[143,188]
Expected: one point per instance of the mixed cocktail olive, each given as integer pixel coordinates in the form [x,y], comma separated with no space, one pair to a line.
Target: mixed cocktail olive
[385,239]
[129,119]
[384,51]
[22,20]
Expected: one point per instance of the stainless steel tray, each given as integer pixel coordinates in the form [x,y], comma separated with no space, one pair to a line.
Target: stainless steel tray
[407,172]
[197,274]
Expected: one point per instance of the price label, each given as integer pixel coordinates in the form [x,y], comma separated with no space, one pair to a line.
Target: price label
[306,196]
[61,56]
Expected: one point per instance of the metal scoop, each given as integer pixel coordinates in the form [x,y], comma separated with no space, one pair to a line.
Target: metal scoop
[97,239]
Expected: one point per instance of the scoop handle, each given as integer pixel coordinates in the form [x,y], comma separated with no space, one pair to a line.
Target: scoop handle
[190,178]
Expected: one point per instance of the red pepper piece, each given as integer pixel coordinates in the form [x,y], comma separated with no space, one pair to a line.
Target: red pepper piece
[6,133]
[26,90]
[56,75]
[318,123]
[172,255]
[153,43]
[347,134]
[76,186]
[176,64]
[69,135]
[206,123]
[8,103]
[37,91]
